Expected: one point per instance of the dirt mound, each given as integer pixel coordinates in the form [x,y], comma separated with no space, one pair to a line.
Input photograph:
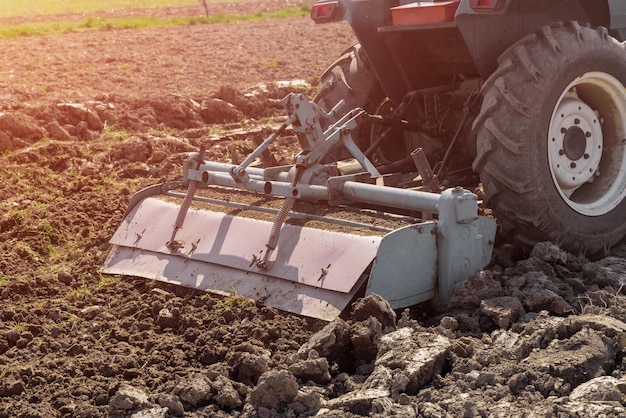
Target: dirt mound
[21,126]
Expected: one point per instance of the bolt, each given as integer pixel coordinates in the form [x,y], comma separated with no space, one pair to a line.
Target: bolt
[194,247]
[572,164]
[324,272]
[577,121]
[586,156]
[588,134]
[561,152]
[465,264]
[174,245]
[255,259]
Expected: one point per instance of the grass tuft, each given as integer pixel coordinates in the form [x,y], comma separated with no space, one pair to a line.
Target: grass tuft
[95,23]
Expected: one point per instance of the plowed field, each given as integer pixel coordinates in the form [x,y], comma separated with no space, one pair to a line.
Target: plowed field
[89,117]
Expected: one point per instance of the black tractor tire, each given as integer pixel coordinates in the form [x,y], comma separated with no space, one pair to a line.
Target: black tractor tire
[551,139]
[350,78]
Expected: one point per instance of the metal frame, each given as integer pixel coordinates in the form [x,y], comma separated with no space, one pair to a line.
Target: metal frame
[320,270]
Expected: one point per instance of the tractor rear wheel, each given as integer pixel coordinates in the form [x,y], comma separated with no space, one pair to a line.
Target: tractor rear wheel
[352,79]
[551,139]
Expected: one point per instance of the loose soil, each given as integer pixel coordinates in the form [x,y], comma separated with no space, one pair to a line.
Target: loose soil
[88,118]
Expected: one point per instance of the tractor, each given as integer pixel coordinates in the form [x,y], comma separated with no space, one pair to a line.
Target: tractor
[443,116]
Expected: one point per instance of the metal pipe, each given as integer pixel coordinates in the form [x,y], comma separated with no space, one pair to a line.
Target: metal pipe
[391,196]
[254,172]
[360,192]
[274,188]
[225,168]
[242,168]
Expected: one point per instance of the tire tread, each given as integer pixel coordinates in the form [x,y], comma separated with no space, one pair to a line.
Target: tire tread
[512,186]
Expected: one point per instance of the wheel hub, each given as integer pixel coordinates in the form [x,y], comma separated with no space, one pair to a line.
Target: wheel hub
[576,144]
[587,144]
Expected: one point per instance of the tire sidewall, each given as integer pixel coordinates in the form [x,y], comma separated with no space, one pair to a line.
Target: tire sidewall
[609,59]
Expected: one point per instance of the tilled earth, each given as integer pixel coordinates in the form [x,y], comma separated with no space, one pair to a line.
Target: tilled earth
[87,118]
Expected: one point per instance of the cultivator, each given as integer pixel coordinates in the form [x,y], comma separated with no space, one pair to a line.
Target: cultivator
[303,268]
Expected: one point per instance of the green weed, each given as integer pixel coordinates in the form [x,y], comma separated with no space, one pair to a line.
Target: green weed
[104,336]
[79,293]
[12,8]
[91,23]
[106,281]
[110,133]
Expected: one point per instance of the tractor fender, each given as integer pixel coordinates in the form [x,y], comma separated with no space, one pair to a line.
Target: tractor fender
[617,11]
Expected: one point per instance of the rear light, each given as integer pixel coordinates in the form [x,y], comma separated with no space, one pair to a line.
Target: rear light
[325,11]
[485,5]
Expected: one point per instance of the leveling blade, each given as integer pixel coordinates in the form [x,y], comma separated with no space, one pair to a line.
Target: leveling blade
[313,272]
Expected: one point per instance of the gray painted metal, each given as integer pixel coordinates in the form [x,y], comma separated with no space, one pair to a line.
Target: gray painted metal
[430,260]
[464,239]
[313,272]
[287,296]
[219,250]
[405,270]
[391,196]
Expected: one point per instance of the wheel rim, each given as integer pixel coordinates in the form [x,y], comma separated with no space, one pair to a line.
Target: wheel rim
[586,144]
